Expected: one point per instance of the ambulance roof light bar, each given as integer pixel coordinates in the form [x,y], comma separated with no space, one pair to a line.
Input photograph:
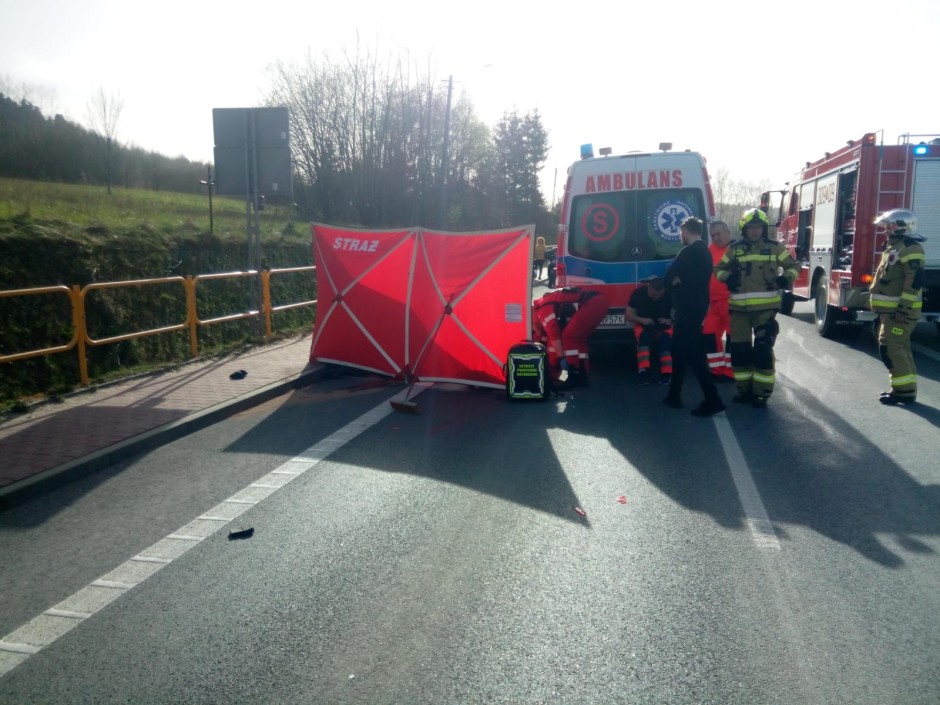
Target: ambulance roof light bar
[587,151]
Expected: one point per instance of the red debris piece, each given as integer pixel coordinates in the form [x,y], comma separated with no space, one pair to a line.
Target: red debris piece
[622,499]
[580,511]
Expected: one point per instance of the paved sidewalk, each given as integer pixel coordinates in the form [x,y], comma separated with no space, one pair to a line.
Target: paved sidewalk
[56,442]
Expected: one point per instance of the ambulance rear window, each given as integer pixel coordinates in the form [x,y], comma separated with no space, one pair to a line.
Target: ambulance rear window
[631,226]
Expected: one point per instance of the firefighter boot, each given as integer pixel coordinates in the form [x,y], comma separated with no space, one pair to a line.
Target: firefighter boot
[891,398]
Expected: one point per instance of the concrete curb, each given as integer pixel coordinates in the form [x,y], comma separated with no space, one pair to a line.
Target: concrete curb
[53,478]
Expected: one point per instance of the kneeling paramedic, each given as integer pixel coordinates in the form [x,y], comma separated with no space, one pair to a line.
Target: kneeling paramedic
[563,319]
[751,269]
[897,298]
[650,312]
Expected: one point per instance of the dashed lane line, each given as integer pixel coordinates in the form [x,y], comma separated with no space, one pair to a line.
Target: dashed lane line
[762,530]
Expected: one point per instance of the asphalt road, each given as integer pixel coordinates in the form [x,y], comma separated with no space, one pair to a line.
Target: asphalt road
[786,555]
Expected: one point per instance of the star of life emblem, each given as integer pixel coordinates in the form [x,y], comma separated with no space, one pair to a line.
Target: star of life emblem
[669,216]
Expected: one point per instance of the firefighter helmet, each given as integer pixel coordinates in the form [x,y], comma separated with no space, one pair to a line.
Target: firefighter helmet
[754,215]
[899,221]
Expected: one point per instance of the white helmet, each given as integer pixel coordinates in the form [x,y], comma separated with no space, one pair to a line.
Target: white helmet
[899,223]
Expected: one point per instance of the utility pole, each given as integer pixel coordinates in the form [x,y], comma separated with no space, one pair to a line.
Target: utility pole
[442,212]
[208,182]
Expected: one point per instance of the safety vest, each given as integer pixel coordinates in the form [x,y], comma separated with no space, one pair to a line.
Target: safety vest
[898,282]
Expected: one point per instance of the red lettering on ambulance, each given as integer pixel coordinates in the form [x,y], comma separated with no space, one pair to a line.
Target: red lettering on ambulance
[633,180]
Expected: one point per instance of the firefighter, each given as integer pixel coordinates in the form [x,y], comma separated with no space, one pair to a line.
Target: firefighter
[751,269]
[897,297]
[563,319]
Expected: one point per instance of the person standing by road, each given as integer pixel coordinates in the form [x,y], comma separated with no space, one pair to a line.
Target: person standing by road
[750,268]
[717,328]
[687,281]
[539,257]
[897,298]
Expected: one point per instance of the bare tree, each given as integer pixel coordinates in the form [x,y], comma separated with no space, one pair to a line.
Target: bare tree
[103,113]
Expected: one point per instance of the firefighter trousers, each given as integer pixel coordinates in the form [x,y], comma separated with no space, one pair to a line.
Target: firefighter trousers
[753,334]
[894,347]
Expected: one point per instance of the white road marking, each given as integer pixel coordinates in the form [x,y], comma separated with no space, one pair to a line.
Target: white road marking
[41,631]
[762,530]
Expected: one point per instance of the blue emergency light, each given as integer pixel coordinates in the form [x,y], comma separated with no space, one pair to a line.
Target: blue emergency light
[919,150]
[587,150]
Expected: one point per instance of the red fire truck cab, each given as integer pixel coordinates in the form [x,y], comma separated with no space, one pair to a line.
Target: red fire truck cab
[826,218]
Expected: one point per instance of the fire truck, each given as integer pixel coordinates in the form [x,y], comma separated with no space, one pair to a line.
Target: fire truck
[826,218]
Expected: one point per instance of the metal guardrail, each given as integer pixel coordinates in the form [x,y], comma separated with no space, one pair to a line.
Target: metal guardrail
[78,296]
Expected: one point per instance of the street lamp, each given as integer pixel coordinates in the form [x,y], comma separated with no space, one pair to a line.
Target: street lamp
[210,183]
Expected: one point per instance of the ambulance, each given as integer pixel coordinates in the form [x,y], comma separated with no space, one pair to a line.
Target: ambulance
[620,217]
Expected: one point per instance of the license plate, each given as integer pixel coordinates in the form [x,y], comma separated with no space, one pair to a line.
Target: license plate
[613,319]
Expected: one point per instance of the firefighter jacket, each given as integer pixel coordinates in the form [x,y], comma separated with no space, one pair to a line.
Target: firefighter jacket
[552,313]
[750,271]
[899,279]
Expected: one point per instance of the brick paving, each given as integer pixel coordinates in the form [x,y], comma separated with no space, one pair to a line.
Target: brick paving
[56,441]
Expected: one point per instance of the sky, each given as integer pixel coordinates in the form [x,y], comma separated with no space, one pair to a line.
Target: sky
[758,88]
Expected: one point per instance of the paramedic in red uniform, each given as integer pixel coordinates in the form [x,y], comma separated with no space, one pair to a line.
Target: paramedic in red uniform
[564,318]
[717,326]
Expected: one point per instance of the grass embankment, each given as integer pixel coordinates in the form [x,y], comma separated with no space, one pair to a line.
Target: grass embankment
[52,234]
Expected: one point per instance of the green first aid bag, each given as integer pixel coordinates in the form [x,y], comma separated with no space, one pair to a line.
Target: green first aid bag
[526,371]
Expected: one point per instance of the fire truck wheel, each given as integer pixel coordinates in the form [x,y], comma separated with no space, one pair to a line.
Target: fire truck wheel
[824,313]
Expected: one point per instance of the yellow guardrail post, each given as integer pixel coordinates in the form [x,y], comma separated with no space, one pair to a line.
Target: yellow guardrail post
[192,320]
[266,301]
[78,323]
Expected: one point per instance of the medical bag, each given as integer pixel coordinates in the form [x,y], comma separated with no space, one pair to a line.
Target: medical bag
[526,371]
